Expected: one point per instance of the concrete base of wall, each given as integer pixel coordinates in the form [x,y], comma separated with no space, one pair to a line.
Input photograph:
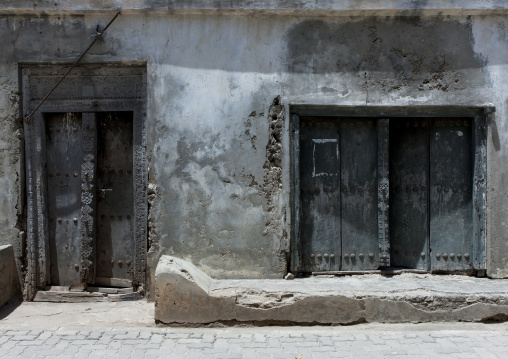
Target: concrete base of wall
[185,294]
[9,283]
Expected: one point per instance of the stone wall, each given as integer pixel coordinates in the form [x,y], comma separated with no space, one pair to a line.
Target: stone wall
[219,91]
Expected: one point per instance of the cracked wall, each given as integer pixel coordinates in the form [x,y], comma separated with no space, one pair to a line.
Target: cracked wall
[218,142]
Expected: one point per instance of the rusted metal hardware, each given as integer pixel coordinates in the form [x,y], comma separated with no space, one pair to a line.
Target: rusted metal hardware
[96,36]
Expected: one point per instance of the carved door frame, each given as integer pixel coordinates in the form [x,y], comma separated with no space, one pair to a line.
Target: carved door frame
[88,89]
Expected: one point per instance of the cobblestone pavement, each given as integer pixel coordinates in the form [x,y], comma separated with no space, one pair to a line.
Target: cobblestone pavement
[127,330]
[362,341]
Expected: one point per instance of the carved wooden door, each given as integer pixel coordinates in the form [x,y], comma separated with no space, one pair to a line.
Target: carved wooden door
[89,171]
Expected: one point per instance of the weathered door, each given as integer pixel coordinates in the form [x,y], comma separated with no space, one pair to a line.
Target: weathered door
[419,168]
[408,193]
[63,171]
[343,174]
[431,212]
[359,167]
[451,209]
[89,196]
[320,195]
[115,232]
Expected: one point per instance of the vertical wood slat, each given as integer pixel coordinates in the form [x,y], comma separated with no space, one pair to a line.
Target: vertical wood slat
[451,176]
[295,195]
[359,197]
[480,189]
[383,191]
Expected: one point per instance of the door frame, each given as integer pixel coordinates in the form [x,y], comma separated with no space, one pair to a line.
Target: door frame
[90,89]
[480,115]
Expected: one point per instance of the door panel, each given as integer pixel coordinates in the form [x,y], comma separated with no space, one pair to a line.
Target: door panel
[408,193]
[115,201]
[319,195]
[63,171]
[359,162]
[451,210]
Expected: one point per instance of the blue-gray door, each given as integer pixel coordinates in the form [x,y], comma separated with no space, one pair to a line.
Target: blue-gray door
[389,193]
[431,211]
[320,195]
[342,171]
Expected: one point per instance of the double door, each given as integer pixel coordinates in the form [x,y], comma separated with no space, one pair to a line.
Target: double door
[90,203]
[385,193]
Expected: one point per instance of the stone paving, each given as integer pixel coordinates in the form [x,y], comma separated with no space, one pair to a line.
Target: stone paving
[127,330]
[363,341]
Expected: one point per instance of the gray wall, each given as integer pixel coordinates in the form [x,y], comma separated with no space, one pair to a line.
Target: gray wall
[215,200]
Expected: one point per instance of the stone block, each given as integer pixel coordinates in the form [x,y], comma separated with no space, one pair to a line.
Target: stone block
[185,294]
[9,282]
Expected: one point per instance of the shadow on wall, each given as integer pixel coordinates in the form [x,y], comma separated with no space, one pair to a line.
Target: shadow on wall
[389,53]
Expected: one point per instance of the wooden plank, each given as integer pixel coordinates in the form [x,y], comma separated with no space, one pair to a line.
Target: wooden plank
[319,194]
[451,207]
[383,190]
[359,187]
[115,197]
[387,111]
[409,193]
[63,174]
[296,254]
[113,282]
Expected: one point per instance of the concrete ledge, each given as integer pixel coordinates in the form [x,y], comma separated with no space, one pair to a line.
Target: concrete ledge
[184,294]
[323,7]
[9,282]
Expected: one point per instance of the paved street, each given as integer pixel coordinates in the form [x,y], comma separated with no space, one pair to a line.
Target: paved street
[124,330]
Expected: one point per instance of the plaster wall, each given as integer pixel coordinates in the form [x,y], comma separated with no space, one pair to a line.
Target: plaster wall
[219,195]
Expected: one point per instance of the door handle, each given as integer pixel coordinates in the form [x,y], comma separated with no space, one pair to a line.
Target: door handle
[103,191]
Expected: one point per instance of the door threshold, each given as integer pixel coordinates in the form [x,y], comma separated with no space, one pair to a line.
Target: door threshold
[62,294]
[387,271]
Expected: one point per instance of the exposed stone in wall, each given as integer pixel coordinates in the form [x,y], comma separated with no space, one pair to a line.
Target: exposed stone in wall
[272,180]
[12,230]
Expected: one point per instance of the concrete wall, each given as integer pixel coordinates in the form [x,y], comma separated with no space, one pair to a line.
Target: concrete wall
[9,282]
[218,197]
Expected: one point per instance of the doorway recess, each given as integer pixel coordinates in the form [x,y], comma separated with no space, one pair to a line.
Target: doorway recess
[86,175]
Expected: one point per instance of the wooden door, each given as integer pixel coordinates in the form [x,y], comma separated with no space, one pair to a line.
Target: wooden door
[90,203]
[409,174]
[115,209]
[64,159]
[451,207]
[320,195]
[359,193]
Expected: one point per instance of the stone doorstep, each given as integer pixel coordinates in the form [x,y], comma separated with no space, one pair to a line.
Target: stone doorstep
[185,294]
[59,294]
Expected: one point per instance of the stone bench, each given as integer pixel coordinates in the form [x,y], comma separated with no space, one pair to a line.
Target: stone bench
[9,282]
[185,294]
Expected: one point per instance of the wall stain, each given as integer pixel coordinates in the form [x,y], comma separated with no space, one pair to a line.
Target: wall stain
[389,54]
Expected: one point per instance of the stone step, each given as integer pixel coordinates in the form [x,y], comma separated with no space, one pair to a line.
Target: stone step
[185,294]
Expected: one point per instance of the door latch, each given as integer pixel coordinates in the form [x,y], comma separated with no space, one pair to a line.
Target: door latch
[102,193]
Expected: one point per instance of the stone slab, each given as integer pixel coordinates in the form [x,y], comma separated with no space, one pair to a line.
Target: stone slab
[9,283]
[184,294]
